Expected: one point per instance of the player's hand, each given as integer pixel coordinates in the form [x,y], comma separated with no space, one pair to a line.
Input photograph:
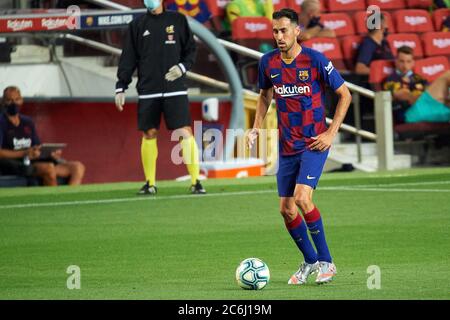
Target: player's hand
[120,100]
[251,137]
[322,142]
[34,152]
[174,73]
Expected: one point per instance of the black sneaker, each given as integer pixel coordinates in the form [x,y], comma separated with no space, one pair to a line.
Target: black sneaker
[197,188]
[147,190]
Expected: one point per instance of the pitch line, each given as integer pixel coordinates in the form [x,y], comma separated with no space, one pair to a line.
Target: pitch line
[358,188]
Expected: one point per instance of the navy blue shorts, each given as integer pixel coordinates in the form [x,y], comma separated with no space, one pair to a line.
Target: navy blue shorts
[302,168]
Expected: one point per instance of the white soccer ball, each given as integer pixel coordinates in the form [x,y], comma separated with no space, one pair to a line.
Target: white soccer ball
[252,274]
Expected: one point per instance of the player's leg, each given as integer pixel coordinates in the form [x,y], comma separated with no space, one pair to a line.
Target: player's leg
[74,170]
[439,88]
[288,167]
[149,117]
[46,171]
[432,105]
[311,168]
[177,117]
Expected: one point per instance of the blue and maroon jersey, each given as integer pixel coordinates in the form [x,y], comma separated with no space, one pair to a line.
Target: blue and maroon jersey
[299,92]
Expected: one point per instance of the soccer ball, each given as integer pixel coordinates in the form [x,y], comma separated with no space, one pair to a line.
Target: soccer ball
[252,274]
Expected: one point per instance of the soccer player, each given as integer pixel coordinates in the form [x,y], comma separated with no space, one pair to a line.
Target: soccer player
[296,77]
[161,46]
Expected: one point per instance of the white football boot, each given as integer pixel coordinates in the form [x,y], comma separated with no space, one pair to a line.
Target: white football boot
[327,271]
[301,276]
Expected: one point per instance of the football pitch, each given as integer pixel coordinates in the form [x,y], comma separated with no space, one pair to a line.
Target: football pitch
[181,246]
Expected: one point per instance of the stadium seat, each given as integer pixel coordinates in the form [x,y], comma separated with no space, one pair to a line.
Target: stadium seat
[411,40]
[413,20]
[439,16]
[248,28]
[349,46]
[341,23]
[329,47]
[431,68]
[379,71]
[387,4]
[436,43]
[295,4]
[346,5]
[360,22]
[413,4]
[280,4]
[217,7]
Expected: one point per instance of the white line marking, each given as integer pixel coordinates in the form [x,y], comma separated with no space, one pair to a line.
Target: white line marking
[236,193]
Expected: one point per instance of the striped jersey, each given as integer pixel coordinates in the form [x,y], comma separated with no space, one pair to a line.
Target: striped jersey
[299,92]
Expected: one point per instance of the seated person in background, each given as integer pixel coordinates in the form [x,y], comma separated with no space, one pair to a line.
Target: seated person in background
[249,8]
[20,144]
[405,85]
[197,9]
[309,19]
[434,104]
[374,46]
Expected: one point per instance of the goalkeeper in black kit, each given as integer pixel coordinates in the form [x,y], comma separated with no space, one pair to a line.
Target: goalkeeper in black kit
[161,46]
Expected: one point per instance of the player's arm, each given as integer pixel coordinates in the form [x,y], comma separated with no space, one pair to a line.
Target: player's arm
[323,141]
[187,56]
[127,64]
[262,105]
[32,153]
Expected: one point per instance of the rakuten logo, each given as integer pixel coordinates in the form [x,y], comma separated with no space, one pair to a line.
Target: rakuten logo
[398,44]
[255,27]
[289,91]
[333,25]
[414,21]
[51,24]
[323,47]
[432,70]
[18,25]
[441,43]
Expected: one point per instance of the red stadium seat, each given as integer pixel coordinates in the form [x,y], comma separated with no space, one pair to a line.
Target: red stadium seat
[280,4]
[217,7]
[387,4]
[411,40]
[436,43]
[360,22]
[329,47]
[346,5]
[439,16]
[245,28]
[379,71]
[412,4]
[431,68]
[349,46]
[295,4]
[341,23]
[413,20]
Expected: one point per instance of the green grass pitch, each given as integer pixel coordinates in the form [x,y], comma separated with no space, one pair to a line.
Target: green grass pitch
[179,246]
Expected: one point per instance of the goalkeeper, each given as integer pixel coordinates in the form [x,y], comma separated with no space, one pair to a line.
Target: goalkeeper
[161,46]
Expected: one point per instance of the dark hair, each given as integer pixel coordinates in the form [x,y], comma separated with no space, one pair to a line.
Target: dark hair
[405,50]
[286,13]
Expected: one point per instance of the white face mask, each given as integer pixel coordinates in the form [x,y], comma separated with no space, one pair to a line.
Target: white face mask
[152,4]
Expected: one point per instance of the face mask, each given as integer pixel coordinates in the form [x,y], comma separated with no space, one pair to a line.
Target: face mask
[12,109]
[152,4]
[315,21]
